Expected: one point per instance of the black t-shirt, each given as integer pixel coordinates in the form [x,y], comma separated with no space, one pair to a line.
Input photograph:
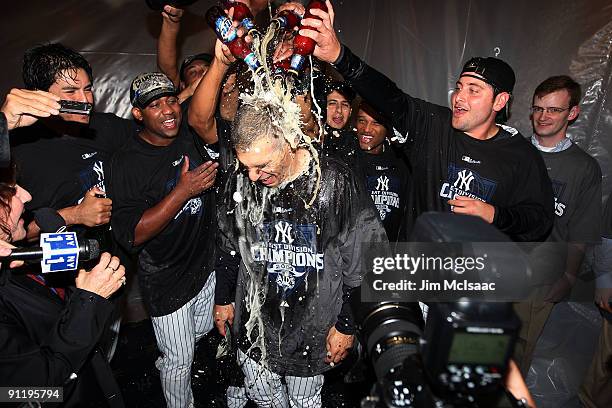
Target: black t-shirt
[58,169]
[506,172]
[174,265]
[576,182]
[387,180]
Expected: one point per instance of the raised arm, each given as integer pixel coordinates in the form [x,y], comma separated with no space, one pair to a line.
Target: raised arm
[167,42]
[203,104]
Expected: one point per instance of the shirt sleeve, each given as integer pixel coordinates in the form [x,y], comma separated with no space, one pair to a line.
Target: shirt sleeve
[361,225]
[585,221]
[66,348]
[530,217]
[228,258]
[129,202]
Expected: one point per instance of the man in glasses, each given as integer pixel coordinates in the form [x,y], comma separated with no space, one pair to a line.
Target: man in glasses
[576,182]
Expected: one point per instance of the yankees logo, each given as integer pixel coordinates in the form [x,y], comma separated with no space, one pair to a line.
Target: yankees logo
[383,183]
[464,180]
[98,167]
[283,232]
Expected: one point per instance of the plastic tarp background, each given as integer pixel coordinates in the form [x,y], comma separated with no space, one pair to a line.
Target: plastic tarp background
[421,45]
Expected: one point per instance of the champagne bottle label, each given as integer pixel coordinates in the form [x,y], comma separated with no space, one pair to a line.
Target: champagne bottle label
[225,29]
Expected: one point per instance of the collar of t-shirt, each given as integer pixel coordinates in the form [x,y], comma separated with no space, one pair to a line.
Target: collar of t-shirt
[564,144]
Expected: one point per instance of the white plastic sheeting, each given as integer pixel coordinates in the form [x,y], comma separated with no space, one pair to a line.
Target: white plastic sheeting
[420,44]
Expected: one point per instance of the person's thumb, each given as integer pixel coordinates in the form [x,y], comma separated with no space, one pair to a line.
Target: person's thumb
[185,167]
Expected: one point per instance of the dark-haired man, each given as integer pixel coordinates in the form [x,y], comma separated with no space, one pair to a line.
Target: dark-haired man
[462,160]
[386,173]
[165,212]
[61,158]
[338,102]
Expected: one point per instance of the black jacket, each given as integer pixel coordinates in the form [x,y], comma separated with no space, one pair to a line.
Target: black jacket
[44,340]
[505,171]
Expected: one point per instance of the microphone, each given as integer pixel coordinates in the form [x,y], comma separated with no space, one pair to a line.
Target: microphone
[58,251]
[88,250]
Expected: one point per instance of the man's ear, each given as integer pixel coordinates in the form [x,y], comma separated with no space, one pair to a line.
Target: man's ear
[573,113]
[137,113]
[500,101]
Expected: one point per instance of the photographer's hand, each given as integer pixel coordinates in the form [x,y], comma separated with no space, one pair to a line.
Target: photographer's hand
[338,346]
[516,384]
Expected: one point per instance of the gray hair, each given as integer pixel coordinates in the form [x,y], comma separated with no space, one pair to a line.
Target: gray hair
[254,120]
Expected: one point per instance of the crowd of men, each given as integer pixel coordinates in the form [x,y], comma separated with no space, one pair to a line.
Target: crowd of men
[225,223]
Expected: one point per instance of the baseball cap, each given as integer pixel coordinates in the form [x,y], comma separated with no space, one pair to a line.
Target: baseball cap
[202,57]
[493,71]
[147,87]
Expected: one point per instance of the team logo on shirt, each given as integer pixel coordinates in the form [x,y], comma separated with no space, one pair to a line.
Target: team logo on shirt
[92,176]
[192,206]
[468,183]
[289,251]
[385,193]
[559,190]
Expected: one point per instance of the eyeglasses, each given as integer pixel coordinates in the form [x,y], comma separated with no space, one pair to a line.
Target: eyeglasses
[550,110]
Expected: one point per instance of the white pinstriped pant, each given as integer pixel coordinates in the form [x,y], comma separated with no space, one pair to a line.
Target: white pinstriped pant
[266,389]
[176,335]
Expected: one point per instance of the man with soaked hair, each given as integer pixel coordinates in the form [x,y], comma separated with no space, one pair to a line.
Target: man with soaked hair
[297,223]
[61,158]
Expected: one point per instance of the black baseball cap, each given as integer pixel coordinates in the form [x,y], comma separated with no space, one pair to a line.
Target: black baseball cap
[493,71]
[207,58]
[147,87]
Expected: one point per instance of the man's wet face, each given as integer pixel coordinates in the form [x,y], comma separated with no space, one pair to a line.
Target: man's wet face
[267,161]
[338,110]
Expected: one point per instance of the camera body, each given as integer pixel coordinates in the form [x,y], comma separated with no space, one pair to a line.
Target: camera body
[458,360]
[75,107]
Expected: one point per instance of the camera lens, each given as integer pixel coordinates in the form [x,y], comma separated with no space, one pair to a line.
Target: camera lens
[390,333]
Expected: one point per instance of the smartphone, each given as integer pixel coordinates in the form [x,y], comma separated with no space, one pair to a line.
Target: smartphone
[79,108]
